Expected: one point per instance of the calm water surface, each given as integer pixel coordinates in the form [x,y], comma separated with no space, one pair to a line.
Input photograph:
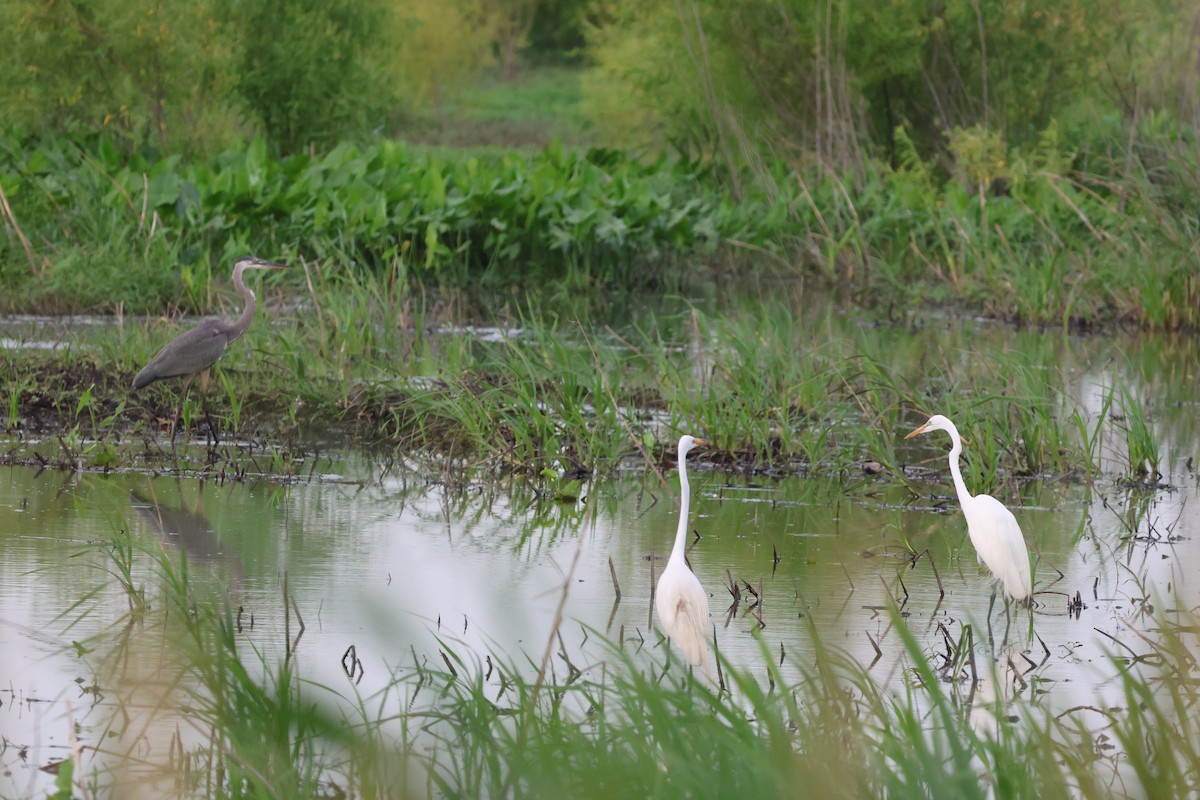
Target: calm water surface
[399,563]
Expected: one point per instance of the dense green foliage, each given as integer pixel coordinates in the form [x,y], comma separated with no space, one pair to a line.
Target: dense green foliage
[1064,243]
[506,219]
[192,76]
[316,71]
[143,72]
[1027,163]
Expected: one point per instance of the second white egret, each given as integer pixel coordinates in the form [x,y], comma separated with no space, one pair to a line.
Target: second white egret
[993,529]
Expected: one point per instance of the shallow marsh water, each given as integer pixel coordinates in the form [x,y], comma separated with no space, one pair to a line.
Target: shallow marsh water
[400,561]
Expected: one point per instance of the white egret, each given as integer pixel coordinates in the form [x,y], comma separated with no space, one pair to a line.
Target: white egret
[680,600]
[993,528]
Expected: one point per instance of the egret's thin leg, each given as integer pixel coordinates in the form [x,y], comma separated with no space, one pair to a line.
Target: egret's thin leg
[991,605]
[1007,620]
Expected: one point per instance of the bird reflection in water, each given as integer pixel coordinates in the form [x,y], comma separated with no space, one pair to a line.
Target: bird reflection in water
[190,531]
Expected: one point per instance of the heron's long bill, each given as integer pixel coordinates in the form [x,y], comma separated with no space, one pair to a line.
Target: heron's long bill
[271,265]
[701,442]
[917,431]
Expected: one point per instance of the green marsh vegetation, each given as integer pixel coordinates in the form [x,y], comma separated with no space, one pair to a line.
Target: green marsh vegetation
[139,232]
[536,393]
[992,167]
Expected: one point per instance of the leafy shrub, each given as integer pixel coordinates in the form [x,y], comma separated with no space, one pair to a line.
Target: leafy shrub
[313,70]
[159,72]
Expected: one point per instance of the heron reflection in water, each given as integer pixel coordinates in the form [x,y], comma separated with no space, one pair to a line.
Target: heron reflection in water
[190,531]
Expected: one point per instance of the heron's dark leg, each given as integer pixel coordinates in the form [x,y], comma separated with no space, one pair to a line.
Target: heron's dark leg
[212,428]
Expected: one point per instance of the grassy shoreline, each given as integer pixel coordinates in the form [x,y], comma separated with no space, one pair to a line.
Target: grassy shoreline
[534,395]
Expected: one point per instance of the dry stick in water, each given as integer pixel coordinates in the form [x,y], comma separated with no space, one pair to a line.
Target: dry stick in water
[287,623]
[1017,674]
[613,571]
[300,633]
[886,590]
[653,589]
[878,652]
[734,591]
[352,666]
[8,214]
[758,605]
[971,650]
[316,303]
[846,572]
[612,616]
[937,576]
[717,660]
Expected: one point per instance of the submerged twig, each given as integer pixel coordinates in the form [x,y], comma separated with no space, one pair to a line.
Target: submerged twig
[449,666]
[352,666]
[878,652]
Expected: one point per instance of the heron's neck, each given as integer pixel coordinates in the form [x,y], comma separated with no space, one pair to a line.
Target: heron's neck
[243,322]
[959,485]
[685,492]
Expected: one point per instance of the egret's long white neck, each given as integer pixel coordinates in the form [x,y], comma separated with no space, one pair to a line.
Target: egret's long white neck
[686,493]
[955,452]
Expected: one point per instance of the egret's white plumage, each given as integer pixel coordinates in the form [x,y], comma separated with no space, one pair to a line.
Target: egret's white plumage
[680,600]
[994,531]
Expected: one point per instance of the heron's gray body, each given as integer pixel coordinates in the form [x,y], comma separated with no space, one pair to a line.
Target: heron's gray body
[193,351]
[196,350]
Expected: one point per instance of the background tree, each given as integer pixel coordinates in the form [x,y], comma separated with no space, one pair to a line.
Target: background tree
[830,82]
[193,75]
[162,72]
[314,71]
